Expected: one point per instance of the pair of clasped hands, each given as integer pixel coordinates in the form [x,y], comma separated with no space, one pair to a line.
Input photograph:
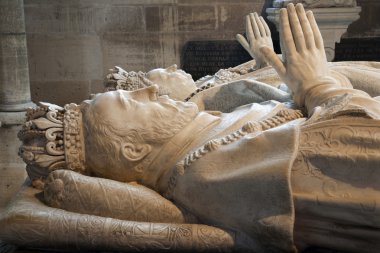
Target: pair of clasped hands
[304,61]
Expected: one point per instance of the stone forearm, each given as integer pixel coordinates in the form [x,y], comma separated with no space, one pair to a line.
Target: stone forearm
[324,92]
[96,196]
[29,223]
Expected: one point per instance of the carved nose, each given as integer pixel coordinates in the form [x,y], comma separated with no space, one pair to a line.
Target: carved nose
[172,68]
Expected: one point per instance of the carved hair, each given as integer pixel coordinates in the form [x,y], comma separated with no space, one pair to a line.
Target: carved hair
[54,138]
[103,139]
[119,79]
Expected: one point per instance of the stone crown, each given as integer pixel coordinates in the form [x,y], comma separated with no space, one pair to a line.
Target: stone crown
[52,138]
[119,79]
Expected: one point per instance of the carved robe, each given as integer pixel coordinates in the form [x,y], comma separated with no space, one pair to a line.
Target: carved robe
[305,183]
[313,182]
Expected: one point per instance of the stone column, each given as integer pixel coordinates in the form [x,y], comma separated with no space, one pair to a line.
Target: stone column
[14,96]
[14,72]
[333,18]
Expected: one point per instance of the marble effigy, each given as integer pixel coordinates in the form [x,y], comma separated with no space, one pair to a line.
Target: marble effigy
[261,177]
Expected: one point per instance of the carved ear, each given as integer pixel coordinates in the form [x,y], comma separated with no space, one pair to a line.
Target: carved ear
[135,152]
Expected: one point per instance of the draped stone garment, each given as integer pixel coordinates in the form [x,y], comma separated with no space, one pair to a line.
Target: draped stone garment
[246,186]
[303,183]
[319,180]
[336,185]
[265,84]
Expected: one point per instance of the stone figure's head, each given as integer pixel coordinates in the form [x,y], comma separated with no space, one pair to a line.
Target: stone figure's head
[175,83]
[52,139]
[124,127]
[115,135]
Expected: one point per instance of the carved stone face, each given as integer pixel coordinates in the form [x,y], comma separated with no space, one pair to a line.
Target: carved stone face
[141,107]
[175,82]
[124,127]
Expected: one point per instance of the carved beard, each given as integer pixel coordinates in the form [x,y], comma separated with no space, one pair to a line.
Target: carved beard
[103,140]
[169,123]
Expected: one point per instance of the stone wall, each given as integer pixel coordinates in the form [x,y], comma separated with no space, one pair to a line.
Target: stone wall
[362,39]
[369,23]
[12,168]
[72,43]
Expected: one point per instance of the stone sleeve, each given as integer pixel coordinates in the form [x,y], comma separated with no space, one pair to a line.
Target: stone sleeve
[334,99]
[29,223]
[74,192]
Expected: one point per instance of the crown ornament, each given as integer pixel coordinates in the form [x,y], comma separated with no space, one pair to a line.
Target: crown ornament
[52,138]
[119,79]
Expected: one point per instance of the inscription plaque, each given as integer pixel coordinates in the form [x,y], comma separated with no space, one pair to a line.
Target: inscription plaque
[200,58]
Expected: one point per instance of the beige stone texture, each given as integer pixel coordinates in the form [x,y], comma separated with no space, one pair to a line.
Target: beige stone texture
[12,168]
[14,96]
[264,177]
[14,73]
[79,41]
[258,177]
[11,16]
[94,36]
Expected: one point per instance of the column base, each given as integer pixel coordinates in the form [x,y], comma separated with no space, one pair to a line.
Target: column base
[12,118]
[16,107]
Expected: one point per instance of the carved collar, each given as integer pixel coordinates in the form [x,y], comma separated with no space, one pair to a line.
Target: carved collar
[192,136]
